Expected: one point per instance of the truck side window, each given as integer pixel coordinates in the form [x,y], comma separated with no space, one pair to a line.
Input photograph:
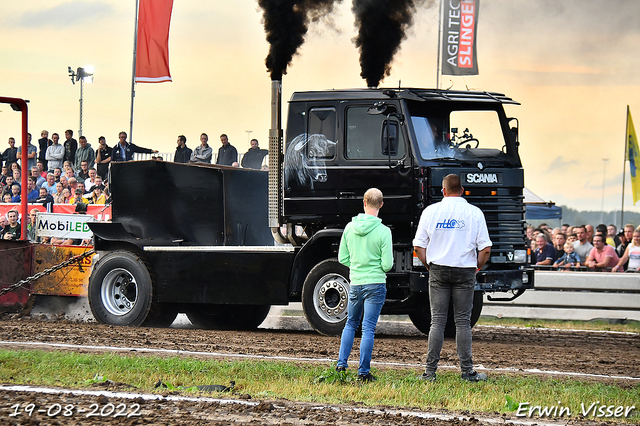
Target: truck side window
[322,121]
[364,135]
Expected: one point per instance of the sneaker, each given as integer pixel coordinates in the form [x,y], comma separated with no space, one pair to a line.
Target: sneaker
[474,376]
[366,378]
[428,377]
[341,369]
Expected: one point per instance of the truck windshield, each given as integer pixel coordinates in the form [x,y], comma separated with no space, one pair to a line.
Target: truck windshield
[460,134]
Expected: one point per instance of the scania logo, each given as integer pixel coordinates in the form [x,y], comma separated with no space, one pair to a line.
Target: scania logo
[482,178]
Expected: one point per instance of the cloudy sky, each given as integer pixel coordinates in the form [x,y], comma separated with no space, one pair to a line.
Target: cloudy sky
[572,64]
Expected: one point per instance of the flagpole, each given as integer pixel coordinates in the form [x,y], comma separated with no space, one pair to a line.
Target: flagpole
[624,166]
[439,41]
[133,73]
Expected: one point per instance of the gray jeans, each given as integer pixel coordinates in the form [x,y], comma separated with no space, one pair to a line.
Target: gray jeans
[445,284]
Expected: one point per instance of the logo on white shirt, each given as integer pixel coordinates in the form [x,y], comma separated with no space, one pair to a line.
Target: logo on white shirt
[450,224]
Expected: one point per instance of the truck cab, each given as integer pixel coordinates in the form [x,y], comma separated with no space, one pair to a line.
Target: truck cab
[404,141]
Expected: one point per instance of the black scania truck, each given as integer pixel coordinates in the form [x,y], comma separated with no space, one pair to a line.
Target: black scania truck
[199,239]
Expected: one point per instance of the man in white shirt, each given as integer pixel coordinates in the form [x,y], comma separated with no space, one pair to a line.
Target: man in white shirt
[452,241]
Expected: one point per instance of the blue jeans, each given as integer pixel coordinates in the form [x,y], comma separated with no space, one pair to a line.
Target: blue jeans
[368,298]
[445,284]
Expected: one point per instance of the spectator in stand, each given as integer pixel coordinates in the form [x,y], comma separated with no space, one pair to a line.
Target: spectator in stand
[64,181]
[227,154]
[203,152]
[73,184]
[46,199]
[582,247]
[6,197]
[32,150]
[183,153]
[58,197]
[12,230]
[529,235]
[83,173]
[590,231]
[82,188]
[97,196]
[50,184]
[620,248]
[10,155]
[35,172]
[17,176]
[89,182]
[31,226]
[252,159]
[124,150]
[602,229]
[602,255]
[612,237]
[545,253]
[15,193]
[66,196]
[84,153]
[564,227]
[70,146]
[103,158]
[3,222]
[44,142]
[42,169]
[55,153]
[32,191]
[569,259]
[559,240]
[57,172]
[631,256]
[7,187]
[69,173]
[78,197]
[572,238]
[6,171]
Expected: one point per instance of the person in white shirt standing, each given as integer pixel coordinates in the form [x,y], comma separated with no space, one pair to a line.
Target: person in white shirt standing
[452,241]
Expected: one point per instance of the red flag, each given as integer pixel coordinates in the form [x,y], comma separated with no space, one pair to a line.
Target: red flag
[152,57]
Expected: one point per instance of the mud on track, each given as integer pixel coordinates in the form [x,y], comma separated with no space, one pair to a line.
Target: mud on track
[597,353]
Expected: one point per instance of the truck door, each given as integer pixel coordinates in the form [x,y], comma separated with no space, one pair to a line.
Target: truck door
[366,161]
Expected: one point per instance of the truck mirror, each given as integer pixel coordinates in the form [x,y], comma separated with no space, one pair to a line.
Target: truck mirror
[390,137]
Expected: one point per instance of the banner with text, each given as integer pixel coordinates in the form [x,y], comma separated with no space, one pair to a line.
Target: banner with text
[459,33]
[63,226]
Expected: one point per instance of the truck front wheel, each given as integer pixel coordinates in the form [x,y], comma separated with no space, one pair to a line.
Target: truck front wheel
[121,291]
[422,317]
[325,297]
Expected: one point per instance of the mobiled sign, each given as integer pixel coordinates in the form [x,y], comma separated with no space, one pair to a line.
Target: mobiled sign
[63,226]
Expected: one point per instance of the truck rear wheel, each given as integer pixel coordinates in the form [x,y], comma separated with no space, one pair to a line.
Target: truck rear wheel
[121,291]
[422,318]
[227,317]
[325,297]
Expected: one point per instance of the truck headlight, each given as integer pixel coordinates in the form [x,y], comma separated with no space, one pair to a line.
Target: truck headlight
[520,256]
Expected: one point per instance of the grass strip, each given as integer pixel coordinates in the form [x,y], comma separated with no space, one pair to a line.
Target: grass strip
[502,393]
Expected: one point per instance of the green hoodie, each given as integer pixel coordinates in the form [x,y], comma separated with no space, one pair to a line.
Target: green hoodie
[366,248]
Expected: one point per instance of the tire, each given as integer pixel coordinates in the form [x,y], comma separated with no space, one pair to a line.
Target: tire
[121,290]
[227,317]
[421,319]
[163,317]
[325,297]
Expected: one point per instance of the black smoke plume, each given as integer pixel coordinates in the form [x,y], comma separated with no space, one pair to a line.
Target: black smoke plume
[382,26]
[286,23]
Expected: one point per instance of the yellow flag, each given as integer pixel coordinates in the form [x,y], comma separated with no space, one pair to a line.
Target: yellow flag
[633,154]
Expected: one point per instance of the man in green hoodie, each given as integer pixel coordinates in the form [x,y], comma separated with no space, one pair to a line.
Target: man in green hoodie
[366,248]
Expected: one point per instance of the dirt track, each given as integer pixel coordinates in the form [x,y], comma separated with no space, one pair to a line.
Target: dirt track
[609,354]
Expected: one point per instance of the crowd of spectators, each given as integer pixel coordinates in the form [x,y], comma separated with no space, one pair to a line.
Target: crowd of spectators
[583,246]
[73,171]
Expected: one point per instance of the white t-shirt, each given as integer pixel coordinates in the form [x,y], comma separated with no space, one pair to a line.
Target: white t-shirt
[452,231]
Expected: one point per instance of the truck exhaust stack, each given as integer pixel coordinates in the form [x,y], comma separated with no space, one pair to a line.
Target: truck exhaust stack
[275,162]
